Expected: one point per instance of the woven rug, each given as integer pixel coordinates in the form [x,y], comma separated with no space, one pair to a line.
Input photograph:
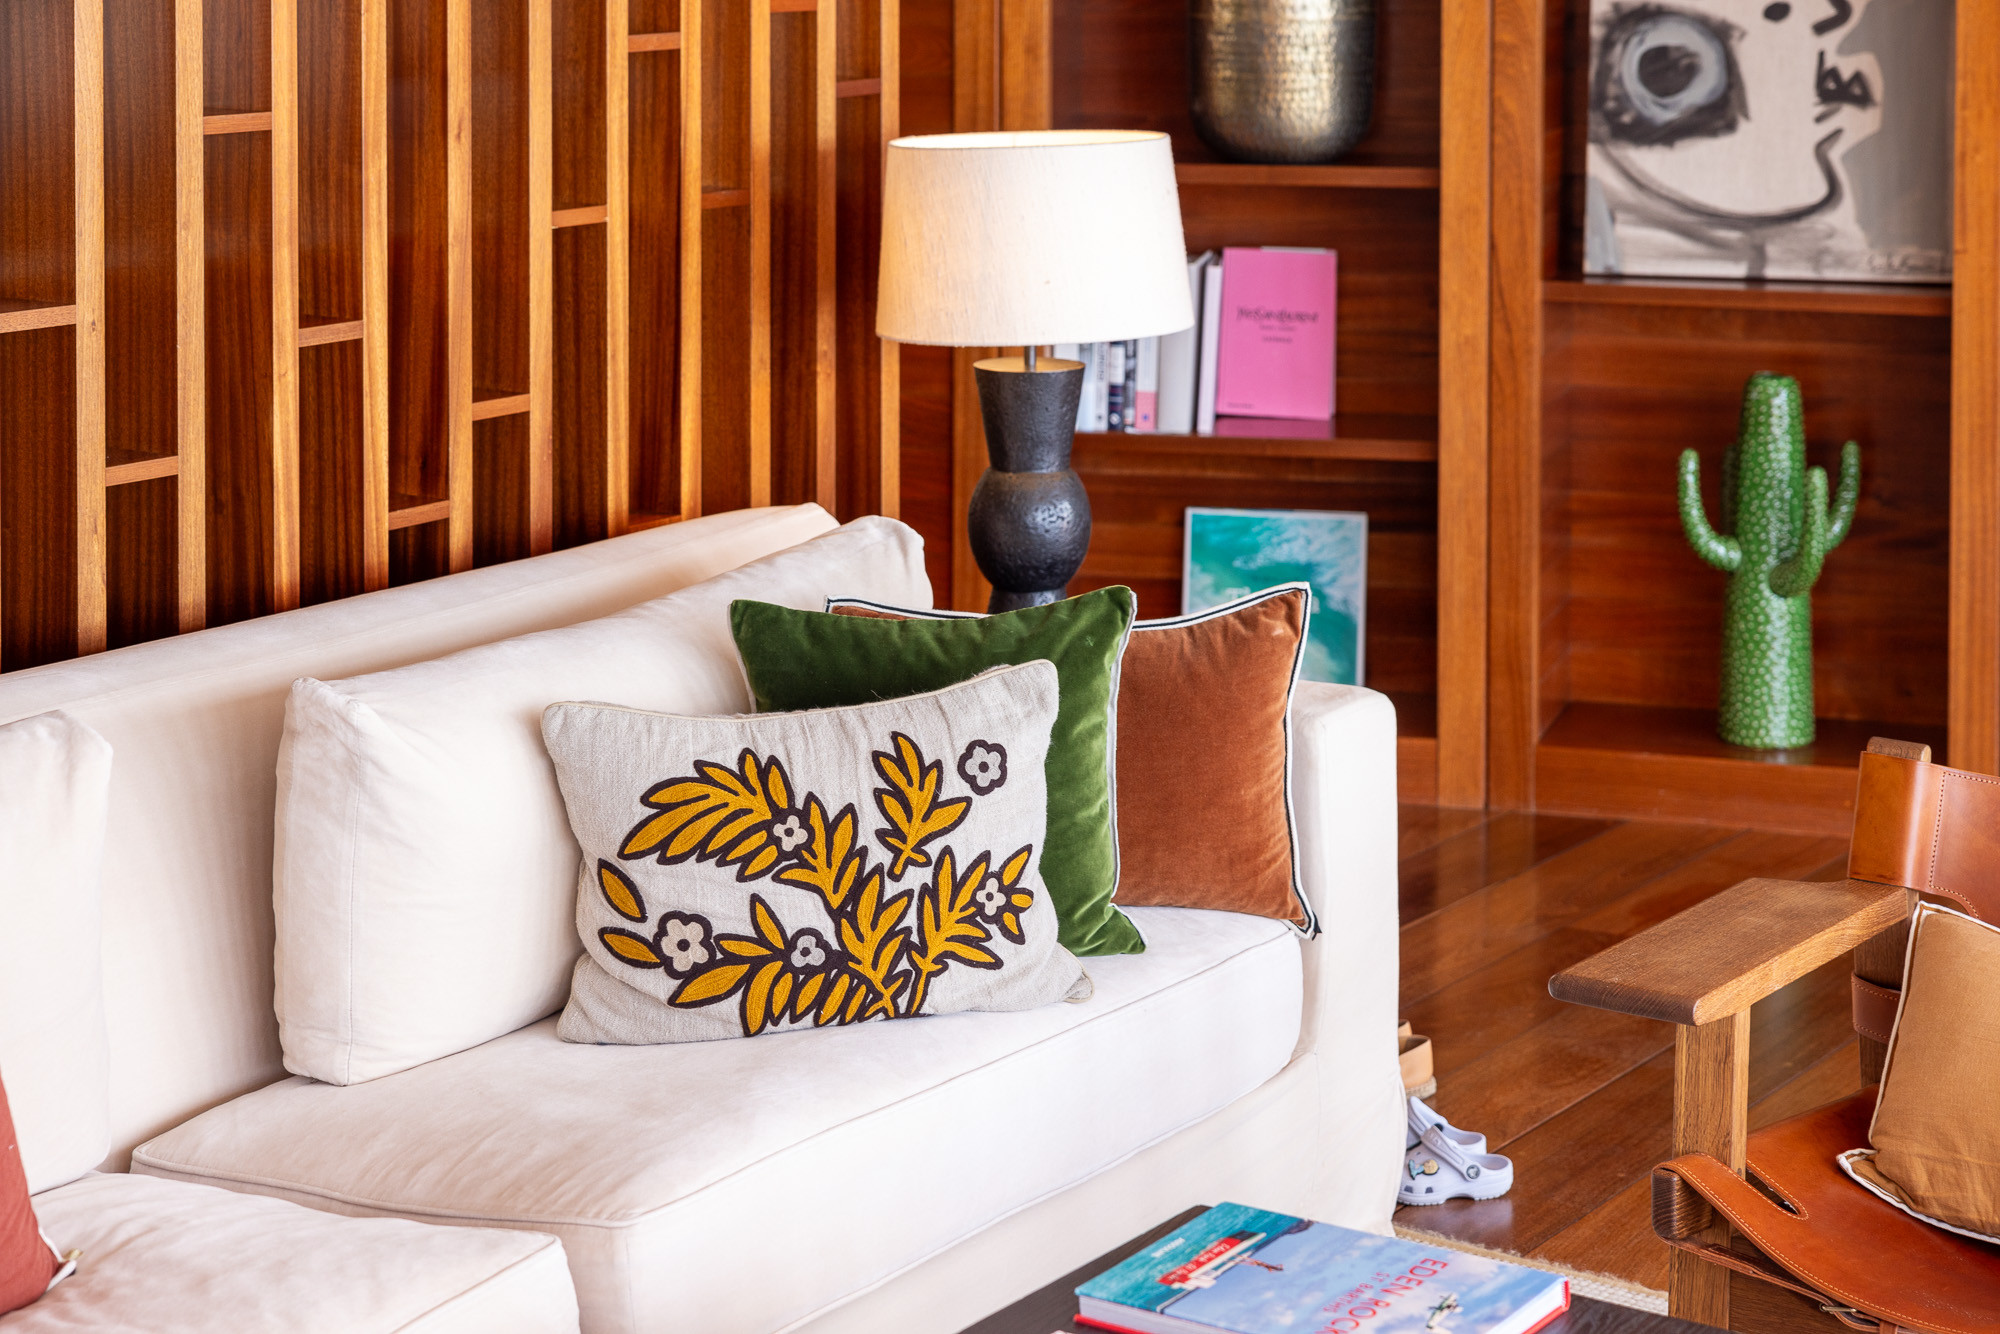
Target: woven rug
[1598,1287]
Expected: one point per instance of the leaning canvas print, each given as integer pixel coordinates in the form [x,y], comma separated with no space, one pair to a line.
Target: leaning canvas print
[1802,139]
[1230,554]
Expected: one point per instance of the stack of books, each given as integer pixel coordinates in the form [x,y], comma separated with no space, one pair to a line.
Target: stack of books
[1262,345]
[1237,1270]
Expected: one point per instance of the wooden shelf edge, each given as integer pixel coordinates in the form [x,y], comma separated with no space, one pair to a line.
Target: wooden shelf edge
[236,122]
[1640,785]
[1720,294]
[579,217]
[484,409]
[330,331]
[652,41]
[1366,448]
[1328,177]
[21,316]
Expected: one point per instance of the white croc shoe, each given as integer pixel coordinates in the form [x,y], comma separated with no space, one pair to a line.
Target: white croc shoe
[1439,1169]
[1422,1118]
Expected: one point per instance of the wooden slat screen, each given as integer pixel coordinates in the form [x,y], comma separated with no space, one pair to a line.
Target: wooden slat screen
[304,298]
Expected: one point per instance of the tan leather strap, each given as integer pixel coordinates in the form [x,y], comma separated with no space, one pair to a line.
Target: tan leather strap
[1874,1008]
[1759,1268]
[1928,828]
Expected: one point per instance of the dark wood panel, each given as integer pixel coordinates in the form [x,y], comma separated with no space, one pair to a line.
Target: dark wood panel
[1123,64]
[419,310]
[795,260]
[241,496]
[725,360]
[330,142]
[577,50]
[236,55]
[140,331]
[142,540]
[858,259]
[654,213]
[579,408]
[37,106]
[38,621]
[500,489]
[330,473]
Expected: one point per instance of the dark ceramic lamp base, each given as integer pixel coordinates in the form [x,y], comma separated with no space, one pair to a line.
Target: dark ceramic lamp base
[1029,520]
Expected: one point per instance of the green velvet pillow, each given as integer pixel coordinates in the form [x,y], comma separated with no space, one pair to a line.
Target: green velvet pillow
[813,660]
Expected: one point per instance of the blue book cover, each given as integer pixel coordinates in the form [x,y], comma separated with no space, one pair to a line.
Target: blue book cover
[1252,1272]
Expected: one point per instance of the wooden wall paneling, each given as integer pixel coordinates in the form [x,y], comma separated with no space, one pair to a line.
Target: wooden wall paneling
[374,114]
[191,339]
[493,312]
[728,308]
[1974,690]
[694,76]
[1464,290]
[539,464]
[869,385]
[580,139]
[799,350]
[141,318]
[282,555]
[1515,486]
[617,490]
[653,174]
[343,531]
[426,342]
[238,329]
[888,430]
[757,291]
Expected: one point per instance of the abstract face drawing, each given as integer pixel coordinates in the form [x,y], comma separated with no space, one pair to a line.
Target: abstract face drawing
[1721,135]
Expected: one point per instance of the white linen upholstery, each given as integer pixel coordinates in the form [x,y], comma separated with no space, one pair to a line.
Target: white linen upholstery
[164,1257]
[739,1185]
[54,772]
[195,722]
[425,870]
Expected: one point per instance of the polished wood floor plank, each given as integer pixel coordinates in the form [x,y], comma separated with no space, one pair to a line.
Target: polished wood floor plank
[1778,856]
[1503,846]
[1615,1238]
[1501,1001]
[1477,930]
[1568,1165]
[1521,1084]
[1421,827]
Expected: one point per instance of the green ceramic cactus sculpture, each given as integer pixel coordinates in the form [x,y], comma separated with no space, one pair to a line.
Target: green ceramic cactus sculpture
[1776,529]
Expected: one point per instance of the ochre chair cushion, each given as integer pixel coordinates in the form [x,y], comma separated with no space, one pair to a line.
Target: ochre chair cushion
[1936,1130]
[27,1263]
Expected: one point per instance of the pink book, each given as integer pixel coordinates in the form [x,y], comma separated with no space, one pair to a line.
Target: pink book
[1275,350]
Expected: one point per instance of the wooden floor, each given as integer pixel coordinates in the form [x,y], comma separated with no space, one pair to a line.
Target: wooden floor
[1581,1100]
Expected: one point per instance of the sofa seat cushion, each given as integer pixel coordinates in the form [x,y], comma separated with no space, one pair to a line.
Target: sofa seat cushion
[746,1183]
[160,1257]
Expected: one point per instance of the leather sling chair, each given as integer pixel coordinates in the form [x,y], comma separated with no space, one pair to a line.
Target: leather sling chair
[1799,1245]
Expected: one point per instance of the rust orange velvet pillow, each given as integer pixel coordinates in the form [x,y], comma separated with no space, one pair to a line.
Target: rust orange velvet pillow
[26,1262]
[1204,755]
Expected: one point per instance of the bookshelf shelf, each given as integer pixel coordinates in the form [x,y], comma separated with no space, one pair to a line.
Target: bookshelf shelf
[1811,298]
[1337,176]
[1381,439]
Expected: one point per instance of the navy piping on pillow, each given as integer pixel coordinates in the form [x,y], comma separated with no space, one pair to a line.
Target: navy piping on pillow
[1311,927]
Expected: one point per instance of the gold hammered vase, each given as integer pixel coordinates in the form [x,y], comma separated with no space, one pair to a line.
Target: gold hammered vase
[1283,80]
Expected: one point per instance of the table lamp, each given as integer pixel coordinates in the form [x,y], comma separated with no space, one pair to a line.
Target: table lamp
[1018,240]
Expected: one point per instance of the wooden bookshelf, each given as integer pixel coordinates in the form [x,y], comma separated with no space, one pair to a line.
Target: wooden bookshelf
[303,300]
[1408,220]
[1606,629]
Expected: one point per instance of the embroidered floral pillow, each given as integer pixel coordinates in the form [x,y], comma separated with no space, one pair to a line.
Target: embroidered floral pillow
[781,871]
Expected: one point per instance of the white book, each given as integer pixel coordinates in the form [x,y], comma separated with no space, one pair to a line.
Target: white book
[1146,393]
[1211,335]
[1117,416]
[1179,360]
[1098,385]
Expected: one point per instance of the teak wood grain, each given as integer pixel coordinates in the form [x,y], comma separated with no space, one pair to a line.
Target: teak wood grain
[364,291]
[1723,955]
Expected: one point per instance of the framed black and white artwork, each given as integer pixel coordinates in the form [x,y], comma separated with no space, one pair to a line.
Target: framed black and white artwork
[1802,139]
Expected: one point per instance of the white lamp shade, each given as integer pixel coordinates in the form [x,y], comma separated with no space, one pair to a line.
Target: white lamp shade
[1013,239]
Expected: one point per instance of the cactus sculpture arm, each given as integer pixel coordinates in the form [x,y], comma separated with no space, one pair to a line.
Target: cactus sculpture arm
[1842,517]
[1724,553]
[1797,575]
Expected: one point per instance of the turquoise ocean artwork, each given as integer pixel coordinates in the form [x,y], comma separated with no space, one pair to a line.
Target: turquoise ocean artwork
[1232,553]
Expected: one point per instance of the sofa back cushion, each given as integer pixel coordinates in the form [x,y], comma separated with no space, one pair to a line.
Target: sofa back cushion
[195,722]
[54,773]
[426,872]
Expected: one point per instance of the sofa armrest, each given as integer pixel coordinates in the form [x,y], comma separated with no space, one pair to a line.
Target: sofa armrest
[1344,809]
[1726,953]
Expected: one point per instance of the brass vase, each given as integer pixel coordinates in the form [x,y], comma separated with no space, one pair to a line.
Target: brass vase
[1283,80]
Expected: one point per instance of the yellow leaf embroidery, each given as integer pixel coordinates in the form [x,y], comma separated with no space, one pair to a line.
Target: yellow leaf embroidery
[874,946]
[711,985]
[827,865]
[633,949]
[757,999]
[620,892]
[910,804]
[948,926]
[717,814]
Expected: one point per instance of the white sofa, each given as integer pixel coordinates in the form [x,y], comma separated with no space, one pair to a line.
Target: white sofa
[905,1176]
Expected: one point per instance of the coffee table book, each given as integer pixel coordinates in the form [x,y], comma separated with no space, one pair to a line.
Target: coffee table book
[1249,1271]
